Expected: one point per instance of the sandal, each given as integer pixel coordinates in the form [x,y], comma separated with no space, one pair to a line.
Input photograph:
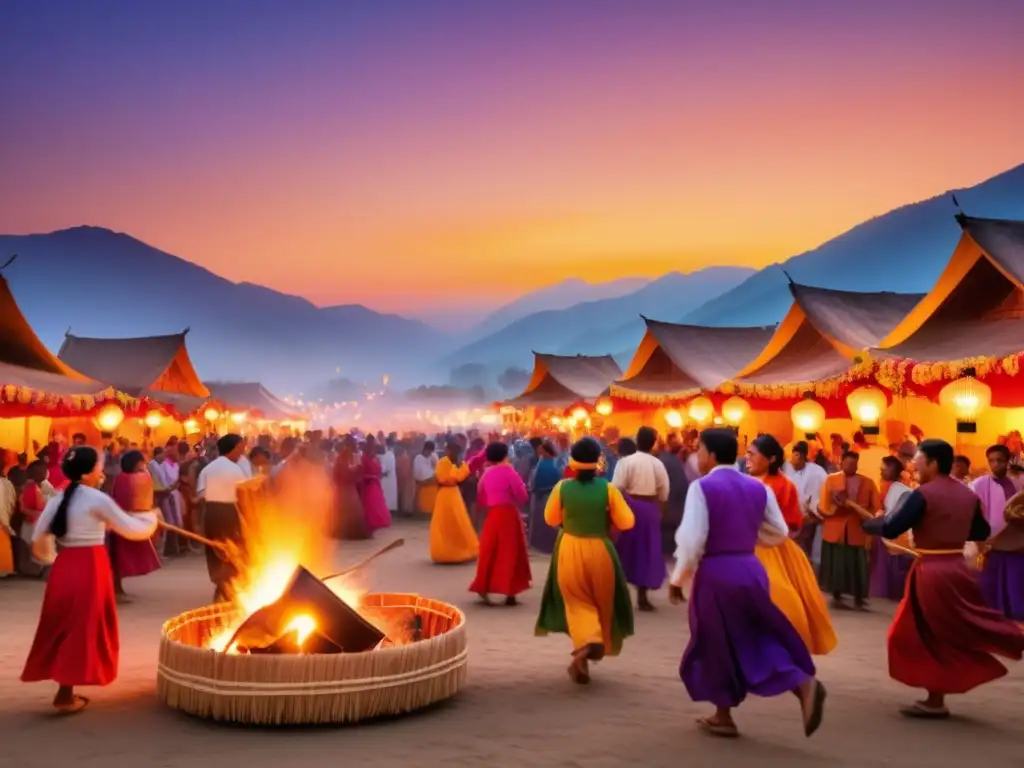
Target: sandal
[713,728]
[76,705]
[812,719]
[922,711]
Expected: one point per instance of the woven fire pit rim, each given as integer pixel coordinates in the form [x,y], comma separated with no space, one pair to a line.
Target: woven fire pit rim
[315,688]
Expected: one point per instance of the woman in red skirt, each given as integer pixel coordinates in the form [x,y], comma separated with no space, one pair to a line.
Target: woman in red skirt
[503,567]
[76,641]
[944,638]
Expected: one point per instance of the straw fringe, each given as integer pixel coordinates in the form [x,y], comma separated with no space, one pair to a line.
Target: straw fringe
[311,689]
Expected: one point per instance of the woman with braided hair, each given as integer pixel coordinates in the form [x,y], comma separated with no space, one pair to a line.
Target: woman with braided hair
[76,641]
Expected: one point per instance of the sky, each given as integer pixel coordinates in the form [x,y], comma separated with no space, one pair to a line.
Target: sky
[450,155]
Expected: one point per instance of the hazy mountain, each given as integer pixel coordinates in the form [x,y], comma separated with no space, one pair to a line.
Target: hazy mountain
[561,295]
[904,250]
[597,327]
[102,283]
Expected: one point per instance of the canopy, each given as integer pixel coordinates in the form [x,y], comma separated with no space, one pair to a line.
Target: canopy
[561,380]
[253,397]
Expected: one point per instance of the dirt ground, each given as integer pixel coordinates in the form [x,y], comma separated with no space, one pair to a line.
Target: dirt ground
[518,707]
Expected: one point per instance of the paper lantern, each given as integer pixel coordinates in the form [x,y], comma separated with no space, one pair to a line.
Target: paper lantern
[153,419]
[867,404]
[967,398]
[211,414]
[191,426]
[702,410]
[674,419]
[604,406]
[109,417]
[808,416]
[238,417]
[735,410]
[580,414]
[556,421]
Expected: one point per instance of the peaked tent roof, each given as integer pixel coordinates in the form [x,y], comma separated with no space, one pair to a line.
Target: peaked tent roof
[141,365]
[976,308]
[823,331]
[26,362]
[252,396]
[561,380]
[674,358]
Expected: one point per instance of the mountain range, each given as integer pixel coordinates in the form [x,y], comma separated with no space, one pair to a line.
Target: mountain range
[102,283]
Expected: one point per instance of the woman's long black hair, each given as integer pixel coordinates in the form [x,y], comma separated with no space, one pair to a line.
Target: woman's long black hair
[78,462]
[772,450]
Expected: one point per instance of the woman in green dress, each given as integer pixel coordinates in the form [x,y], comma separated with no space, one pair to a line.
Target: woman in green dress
[586,596]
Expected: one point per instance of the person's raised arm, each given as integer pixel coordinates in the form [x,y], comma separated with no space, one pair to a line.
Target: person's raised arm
[137,527]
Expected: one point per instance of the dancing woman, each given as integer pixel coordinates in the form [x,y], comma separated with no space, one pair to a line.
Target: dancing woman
[586,595]
[452,536]
[76,641]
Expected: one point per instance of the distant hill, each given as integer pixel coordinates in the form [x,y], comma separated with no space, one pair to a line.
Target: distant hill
[904,250]
[561,295]
[598,325]
[103,283]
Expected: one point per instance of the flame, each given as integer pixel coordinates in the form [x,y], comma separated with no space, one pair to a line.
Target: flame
[291,531]
[303,626]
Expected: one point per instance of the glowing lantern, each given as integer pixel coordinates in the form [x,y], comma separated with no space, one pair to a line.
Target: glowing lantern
[702,410]
[153,419]
[556,421]
[109,417]
[191,426]
[238,417]
[867,404]
[384,380]
[211,414]
[808,416]
[968,398]
[674,419]
[735,410]
[604,406]
[580,414]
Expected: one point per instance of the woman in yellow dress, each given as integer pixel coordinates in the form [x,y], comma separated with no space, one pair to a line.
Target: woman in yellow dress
[452,536]
[586,595]
[791,581]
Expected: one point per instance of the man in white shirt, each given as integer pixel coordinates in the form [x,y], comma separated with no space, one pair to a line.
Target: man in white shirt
[740,642]
[643,480]
[423,467]
[218,489]
[808,477]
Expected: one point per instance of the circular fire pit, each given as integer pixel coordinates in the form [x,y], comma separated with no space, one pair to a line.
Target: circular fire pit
[315,688]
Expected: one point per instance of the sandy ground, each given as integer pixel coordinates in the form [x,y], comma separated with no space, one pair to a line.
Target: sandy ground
[518,708]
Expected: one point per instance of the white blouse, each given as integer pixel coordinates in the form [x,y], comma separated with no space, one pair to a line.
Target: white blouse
[90,513]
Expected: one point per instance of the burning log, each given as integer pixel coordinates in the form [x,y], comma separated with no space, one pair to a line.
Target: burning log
[330,622]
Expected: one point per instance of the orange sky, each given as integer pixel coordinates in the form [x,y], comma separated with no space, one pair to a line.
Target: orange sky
[437,178]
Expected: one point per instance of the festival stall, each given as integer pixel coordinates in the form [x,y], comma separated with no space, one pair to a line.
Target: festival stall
[955,359]
[249,406]
[38,391]
[561,391]
[157,368]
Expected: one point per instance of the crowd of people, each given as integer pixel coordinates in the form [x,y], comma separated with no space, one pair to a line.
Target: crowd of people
[759,538]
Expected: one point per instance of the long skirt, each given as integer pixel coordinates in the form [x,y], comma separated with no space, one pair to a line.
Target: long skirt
[76,640]
[6,553]
[1002,583]
[542,536]
[223,523]
[888,572]
[943,636]
[740,642]
[586,595]
[639,548]
[504,564]
[349,521]
[132,558]
[794,590]
[426,498]
[375,507]
[452,536]
[844,570]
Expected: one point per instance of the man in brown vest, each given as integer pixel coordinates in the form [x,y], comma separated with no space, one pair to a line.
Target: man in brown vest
[943,635]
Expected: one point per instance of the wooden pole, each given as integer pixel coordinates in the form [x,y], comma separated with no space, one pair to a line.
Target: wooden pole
[190,535]
[366,560]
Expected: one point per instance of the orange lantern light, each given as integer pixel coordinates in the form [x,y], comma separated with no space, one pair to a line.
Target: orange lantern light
[674,419]
[867,404]
[580,414]
[702,410]
[968,398]
[109,417]
[191,426]
[211,414]
[808,416]
[735,410]
[238,417]
[604,406]
[153,419]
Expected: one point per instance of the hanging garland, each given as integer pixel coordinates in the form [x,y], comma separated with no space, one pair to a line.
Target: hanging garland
[16,401]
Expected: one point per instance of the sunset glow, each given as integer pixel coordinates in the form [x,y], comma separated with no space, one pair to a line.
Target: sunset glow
[410,155]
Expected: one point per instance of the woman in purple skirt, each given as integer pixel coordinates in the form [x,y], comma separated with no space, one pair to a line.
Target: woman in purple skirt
[740,642]
[643,480]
